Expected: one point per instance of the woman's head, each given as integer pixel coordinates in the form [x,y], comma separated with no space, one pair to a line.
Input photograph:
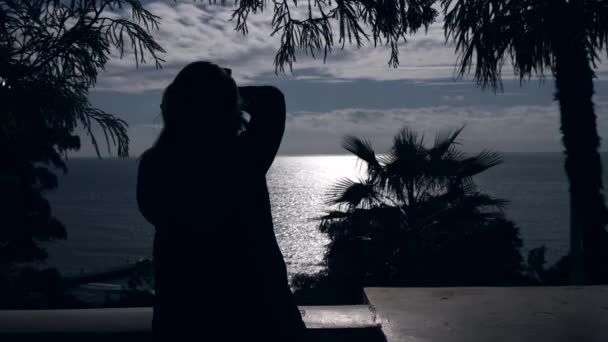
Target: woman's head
[202,99]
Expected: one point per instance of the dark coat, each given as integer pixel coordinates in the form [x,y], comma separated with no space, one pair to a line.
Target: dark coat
[218,267]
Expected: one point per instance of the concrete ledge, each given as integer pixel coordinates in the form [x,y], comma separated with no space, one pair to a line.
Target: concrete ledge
[138,320]
[314,335]
[94,321]
[539,314]
[339,317]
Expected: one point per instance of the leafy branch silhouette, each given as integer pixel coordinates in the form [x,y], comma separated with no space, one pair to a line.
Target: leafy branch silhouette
[355,21]
[63,44]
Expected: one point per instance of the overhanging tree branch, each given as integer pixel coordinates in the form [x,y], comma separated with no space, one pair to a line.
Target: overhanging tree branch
[312,27]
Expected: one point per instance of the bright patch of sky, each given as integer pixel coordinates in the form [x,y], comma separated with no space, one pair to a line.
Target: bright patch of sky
[353,92]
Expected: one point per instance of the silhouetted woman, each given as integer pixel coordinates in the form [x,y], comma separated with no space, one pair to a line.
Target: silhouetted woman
[219,273]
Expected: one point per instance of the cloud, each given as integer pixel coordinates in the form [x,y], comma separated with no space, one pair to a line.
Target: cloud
[509,129]
[456,98]
[320,113]
[519,128]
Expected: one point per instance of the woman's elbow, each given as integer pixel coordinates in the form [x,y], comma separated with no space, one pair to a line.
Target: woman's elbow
[276,99]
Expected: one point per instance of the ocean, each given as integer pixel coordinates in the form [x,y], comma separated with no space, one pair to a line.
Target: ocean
[96,201]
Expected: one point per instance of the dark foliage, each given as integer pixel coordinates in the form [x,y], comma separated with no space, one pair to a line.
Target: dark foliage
[311,28]
[558,274]
[417,219]
[33,288]
[562,38]
[50,52]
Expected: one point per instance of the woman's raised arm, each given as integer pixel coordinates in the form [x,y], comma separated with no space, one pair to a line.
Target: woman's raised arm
[261,139]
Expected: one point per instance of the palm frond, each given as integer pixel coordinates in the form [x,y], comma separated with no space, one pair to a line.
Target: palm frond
[406,164]
[352,194]
[463,186]
[444,158]
[408,138]
[534,27]
[455,155]
[362,222]
[481,162]
[488,32]
[408,151]
[364,151]
[596,20]
[478,200]
[444,141]
[466,210]
[332,215]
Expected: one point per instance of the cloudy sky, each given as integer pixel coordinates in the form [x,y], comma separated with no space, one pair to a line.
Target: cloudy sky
[353,92]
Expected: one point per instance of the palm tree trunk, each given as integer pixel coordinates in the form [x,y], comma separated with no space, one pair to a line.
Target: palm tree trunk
[577,274]
[574,84]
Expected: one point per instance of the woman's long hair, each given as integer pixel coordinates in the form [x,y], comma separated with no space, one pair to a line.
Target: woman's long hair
[201,105]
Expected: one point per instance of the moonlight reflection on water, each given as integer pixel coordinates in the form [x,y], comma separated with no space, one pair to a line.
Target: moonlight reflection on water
[297,187]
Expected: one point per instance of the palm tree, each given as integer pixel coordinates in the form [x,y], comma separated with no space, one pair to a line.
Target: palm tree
[417,218]
[562,37]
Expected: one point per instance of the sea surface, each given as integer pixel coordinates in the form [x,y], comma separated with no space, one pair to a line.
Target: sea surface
[96,202]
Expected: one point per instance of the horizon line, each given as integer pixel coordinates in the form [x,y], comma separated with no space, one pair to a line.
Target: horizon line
[328,154]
